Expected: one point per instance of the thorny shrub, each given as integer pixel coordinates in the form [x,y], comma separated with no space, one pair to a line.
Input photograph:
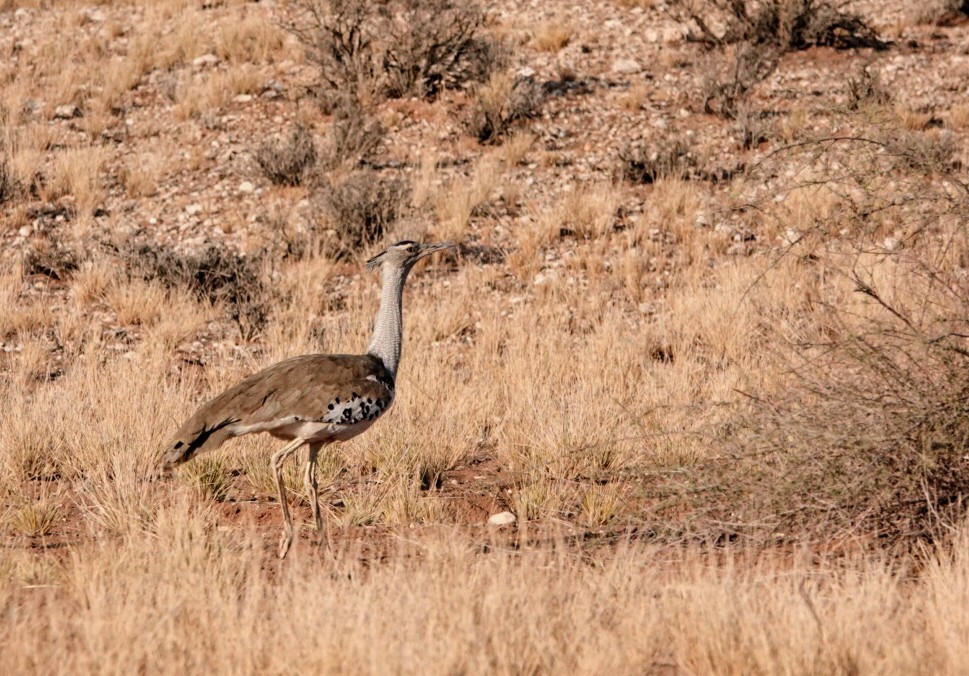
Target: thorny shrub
[867,435]
[786,24]
[872,435]
[9,187]
[726,88]
[286,161]
[367,49]
[866,89]
[214,275]
[51,257]
[500,103]
[437,44]
[669,158]
[362,208]
[353,136]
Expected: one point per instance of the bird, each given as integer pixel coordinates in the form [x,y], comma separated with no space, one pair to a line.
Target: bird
[313,399]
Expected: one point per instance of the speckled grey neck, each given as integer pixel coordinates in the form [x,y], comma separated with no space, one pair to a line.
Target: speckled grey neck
[389,325]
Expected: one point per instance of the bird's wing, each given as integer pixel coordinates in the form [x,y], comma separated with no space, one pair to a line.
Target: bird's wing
[339,389]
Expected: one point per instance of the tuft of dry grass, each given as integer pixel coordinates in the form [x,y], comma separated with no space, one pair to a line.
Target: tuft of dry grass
[552,36]
[500,103]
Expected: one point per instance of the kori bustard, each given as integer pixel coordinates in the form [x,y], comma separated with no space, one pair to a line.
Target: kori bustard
[315,399]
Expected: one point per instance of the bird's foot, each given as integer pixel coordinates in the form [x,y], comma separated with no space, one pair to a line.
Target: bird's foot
[284,544]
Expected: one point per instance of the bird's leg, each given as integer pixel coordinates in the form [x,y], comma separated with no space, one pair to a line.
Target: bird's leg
[278,459]
[312,488]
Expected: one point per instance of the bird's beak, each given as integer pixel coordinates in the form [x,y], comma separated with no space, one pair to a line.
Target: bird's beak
[428,249]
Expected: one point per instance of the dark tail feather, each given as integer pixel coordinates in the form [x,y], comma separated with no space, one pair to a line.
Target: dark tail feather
[186,446]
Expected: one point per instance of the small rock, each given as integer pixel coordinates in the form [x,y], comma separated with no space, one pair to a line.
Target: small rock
[275,85]
[24,231]
[242,98]
[247,187]
[67,111]
[502,519]
[626,67]
[94,15]
[193,209]
[205,61]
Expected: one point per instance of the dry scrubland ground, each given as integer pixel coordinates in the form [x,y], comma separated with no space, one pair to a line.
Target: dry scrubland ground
[705,337]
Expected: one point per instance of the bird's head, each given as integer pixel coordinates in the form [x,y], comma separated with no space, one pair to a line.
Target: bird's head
[403,255]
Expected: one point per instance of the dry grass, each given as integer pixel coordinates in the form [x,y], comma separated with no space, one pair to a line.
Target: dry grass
[552,36]
[546,611]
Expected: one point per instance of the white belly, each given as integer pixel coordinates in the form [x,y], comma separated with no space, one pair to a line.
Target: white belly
[313,431]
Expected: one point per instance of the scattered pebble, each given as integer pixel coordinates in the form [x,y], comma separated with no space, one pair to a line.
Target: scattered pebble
[626,67]
[502,519]
[205,61]
[67,111]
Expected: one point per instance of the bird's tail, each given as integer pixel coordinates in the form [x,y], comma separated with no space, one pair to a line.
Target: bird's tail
[191,440]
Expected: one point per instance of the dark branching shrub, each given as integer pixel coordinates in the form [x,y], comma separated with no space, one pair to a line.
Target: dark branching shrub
[371,48]
[353,136]
[215,275]
[930,152]
[872,436]
[339,38]
[9,186]
[286,161]
[787,24]
[641,163]
[362,208]
[866,89]
[436,44]
[500,103]
[51,257]
[726,89]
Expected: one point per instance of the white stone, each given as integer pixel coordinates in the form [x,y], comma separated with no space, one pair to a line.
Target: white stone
[67,111]
[242,98]
[502,519]
[205,61]
[193,209]
[626,66]
[247,187]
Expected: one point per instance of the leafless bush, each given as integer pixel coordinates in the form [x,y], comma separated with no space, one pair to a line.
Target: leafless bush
[750,128]
[873,434]
[9,186]
[671,158]
[367,48]
[866,88]
[787,24]
[362,208]
[215,275]
[500,103]
[436,44]
[353,136]
[286,161]
[52,257]
[726,90]
[941,12]
[927,152]
[339,36]
[866,434]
